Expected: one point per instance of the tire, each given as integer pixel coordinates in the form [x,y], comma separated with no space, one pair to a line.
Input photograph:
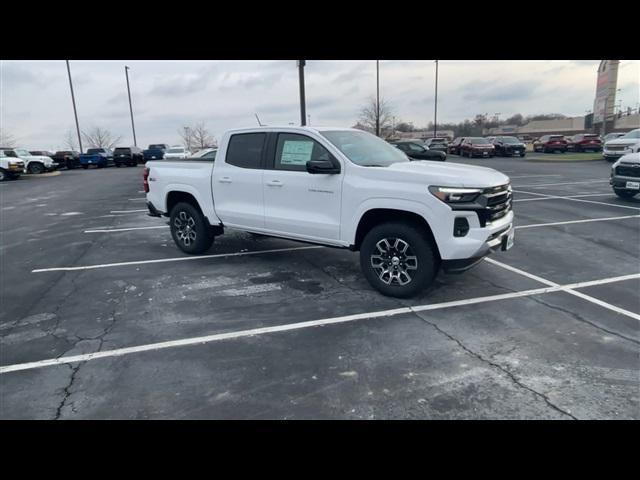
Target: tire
[85,167]
[522,155]
[36,168]
[189,229]
[387,239]
[118,165]
[3,176]
[626,194]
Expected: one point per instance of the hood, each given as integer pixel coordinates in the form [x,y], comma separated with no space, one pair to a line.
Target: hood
[623,141]
[39,158]
[444,174]
[628,158]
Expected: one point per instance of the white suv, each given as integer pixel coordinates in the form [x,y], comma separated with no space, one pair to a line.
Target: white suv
[629,143]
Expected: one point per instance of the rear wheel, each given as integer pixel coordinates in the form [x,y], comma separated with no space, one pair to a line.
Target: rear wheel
[189,229]
[398,259]
[3,175]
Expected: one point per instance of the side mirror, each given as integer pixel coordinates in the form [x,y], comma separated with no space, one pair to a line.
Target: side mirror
[323,166]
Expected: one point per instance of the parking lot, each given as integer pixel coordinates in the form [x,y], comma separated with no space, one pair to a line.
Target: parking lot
[103,317]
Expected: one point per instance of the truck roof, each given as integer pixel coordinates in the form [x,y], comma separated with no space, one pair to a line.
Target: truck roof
[267,128]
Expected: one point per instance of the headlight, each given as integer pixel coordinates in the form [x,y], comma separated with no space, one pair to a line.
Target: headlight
[455,195]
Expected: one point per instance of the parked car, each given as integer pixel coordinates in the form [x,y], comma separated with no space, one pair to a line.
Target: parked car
[33,163]
[129,156]
[441,144]
[625,175]
[42,153]
[628,143]
[550,143]
[67,158]
[154,152]
[508,146]
[417,151]
[100,157]
[583,142]
[206,154]
[11,167]
[570,144]
[612,136]
[476,147]
[454,147]
[343,188]
[176,152]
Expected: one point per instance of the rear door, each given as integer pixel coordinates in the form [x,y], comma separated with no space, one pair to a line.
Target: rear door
[298,203]
[237,182]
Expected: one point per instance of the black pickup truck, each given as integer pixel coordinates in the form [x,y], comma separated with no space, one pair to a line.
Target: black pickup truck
[154,152]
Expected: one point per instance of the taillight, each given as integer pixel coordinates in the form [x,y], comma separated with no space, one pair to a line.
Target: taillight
[145,179]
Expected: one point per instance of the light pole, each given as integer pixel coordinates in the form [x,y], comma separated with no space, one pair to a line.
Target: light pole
[133,127]
[435,110]
[75,112]
[303,115]
[378,98]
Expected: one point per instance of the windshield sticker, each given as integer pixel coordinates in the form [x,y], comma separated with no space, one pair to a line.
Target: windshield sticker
[296,152]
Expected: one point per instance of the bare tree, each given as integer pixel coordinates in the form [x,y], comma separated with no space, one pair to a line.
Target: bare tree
[202,138]
[371,112]
[99,137]
[197,137]
[7,139]
[186,134]
[70,140]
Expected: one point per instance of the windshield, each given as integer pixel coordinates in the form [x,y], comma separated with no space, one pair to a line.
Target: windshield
[121,150]
[478,140]
[22,153]
[156,147]
[438,140]
[510,140]
[365,149]
[95,150]
[175,150]
[633,134]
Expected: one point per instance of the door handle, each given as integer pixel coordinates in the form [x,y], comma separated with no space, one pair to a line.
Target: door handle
[275,183]
[225,180]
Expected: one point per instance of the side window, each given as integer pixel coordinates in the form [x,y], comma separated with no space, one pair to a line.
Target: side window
[245,150]
[293,151]
[415,148]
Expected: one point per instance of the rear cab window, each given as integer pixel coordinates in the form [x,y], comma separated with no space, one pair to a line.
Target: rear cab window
[245,150]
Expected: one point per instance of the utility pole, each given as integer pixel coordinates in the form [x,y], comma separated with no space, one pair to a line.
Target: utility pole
[133,127]
[75,112]
[303,114]
[378,98]
[435,110]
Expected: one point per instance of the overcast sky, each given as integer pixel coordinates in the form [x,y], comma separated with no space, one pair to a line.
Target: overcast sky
[36,101]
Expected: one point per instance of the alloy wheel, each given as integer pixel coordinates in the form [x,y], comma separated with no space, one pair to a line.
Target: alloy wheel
[393,261]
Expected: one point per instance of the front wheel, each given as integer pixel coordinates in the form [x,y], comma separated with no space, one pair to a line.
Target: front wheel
[36,168]
[189,229]
[398,259]
[626,194]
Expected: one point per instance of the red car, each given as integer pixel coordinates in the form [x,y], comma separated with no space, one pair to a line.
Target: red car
[550,143]
[583,142]
[477,147]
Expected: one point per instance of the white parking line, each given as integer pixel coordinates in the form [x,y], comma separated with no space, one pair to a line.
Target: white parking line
[109,230]
[173,259]
[568,222]
[128,211]
[571,199]
[567,288]
[563,196]
[564,183]
[137,199]
[530,176]
[295,326]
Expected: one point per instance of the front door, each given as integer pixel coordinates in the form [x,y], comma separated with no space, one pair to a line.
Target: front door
[298,203]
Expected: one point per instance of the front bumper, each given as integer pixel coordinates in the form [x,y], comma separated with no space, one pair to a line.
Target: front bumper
[501,240]
[51,167]
[619,182]
[615,154]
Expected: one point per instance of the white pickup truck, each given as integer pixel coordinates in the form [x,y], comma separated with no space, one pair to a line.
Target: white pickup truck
[338,187]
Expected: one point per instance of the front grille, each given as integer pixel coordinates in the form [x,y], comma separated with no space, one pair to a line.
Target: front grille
[498,204]
[616,148]
[627,170]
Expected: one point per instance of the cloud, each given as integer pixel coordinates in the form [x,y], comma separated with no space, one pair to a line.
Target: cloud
[491,92]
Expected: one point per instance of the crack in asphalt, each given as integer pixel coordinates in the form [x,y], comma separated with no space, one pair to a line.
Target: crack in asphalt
[580,318]
[504,370]
[67,392]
